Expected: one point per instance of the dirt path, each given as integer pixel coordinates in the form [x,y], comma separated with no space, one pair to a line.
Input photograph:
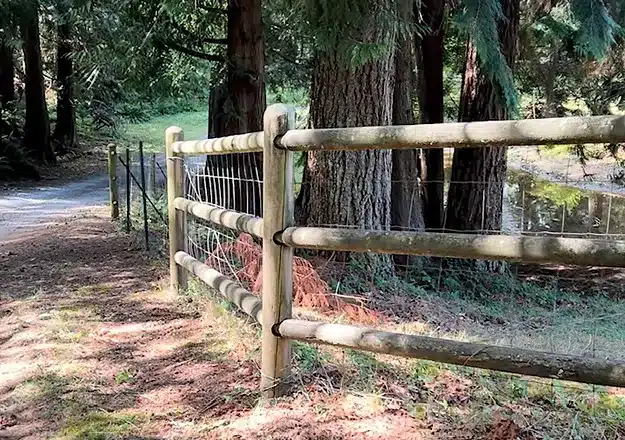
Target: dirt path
[93,348]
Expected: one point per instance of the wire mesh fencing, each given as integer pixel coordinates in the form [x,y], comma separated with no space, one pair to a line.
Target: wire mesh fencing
[232,182]
[141,186]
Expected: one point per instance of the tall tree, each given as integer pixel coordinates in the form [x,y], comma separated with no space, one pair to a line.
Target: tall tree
[7,85]
[37,126]
[478,174]
[7,66]
[430,60]
[349,188]
[489,93]
[406,207]
[7,72]
[65,128]
[237,106]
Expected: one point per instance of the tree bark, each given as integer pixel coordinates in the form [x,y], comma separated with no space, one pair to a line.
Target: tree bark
[341,187]
[37,126]
[65,129]
[550,82]
[430,54]
[478,174]
[237,107]
[406,209]
[7,85]
[7,74]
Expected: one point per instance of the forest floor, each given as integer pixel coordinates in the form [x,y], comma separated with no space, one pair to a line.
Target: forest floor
[93,347]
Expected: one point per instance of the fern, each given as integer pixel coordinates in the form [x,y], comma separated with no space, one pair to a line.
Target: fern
[478,20]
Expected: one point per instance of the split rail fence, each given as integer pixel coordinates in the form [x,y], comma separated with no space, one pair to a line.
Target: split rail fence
[280,236]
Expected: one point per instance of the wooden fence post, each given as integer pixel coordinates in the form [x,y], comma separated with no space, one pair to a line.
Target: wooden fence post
[278,206]
[113,187]
[177,219]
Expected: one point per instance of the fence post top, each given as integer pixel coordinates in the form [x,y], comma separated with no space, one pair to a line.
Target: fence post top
[173,130]
[276,111]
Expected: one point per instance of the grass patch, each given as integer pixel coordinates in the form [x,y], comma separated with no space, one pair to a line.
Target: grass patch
[152,132]
[100,426]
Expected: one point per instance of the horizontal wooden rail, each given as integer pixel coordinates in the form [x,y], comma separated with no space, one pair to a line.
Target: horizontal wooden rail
[507,359]
[557,250]
[223,217]
[592,129]
[242,298]
[240,143]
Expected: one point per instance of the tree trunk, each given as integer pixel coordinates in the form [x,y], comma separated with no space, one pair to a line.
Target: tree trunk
[406,209]
[65,129]
[37,126]
[7,86]
[341,187]
[430,53]
[550,82]
[7,74]
[238,107]
[478,174]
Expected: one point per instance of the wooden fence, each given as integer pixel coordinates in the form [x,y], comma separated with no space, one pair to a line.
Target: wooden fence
[280,236]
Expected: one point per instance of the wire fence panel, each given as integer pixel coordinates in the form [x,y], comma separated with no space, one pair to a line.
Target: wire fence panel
[155,188]
[234,183]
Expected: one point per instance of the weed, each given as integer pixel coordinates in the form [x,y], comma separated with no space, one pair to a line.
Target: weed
[307,356]
[125,376]
[366,363]
[425,371]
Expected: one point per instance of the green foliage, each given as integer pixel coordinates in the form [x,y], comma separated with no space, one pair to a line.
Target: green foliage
[307,356]
[479,21]
[559,195]
[125,376]
[152,132]
[358,31]
[596,25]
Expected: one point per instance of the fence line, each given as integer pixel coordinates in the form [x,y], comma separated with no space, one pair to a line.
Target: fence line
[510,360]
[280,236]
[241,143]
